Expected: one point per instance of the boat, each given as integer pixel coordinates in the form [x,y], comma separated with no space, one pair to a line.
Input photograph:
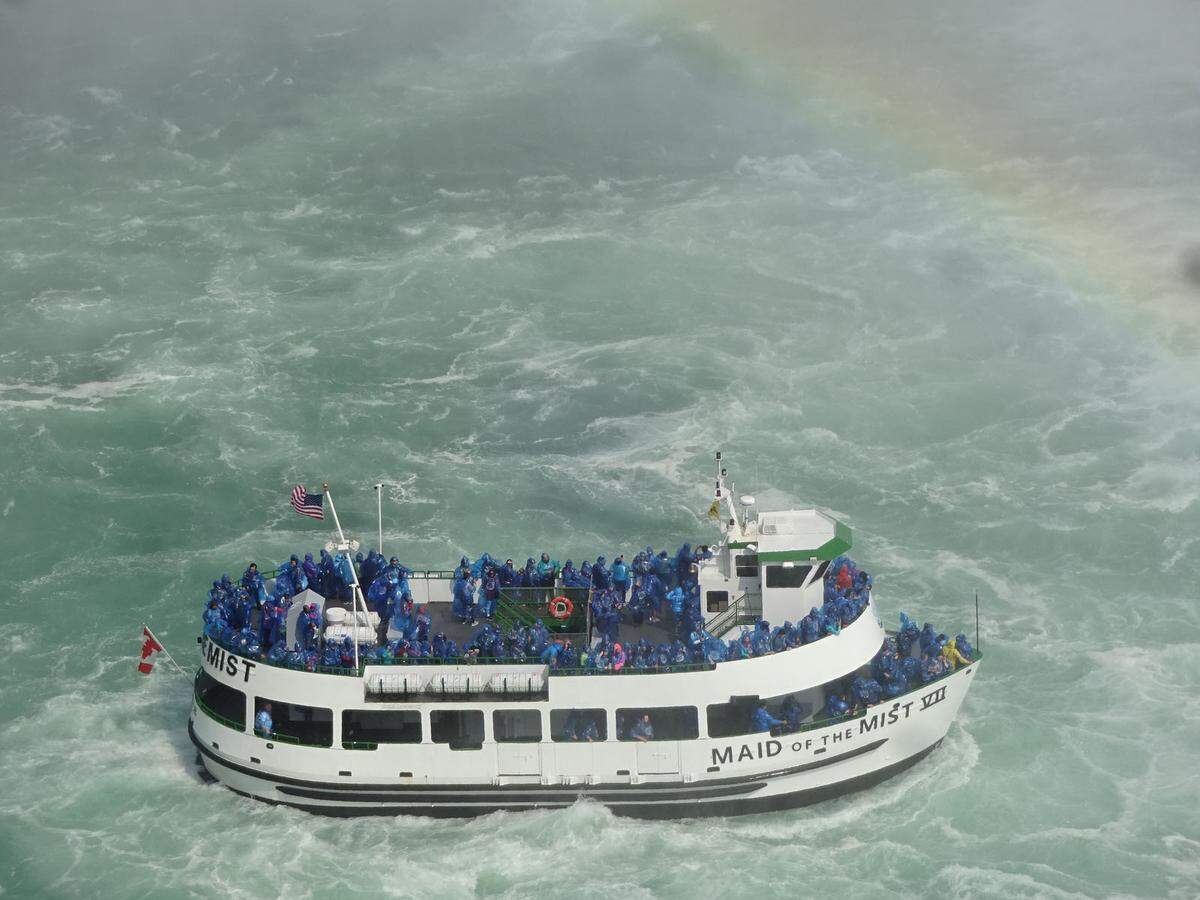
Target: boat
[353,711]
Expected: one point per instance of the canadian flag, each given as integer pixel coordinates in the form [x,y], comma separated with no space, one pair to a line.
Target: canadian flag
[150,650]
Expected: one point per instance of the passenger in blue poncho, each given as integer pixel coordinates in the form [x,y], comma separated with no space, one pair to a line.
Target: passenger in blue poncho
[663,569]
[600,574]
[963,646]
[310,570]
[547,570]
[490,592]
[252,581]
[403,620]
[273,617]
[793,713]
[296,573]
[263,724]
[675,598]
[242,610]
[762,720]
[344,573]
[642,730]
[464,607]
[539,636]
[462,570]
[620,576]
[835,706]
[507,574]
[529,576]
[369,568]
[327,575]
[309,626]
[683,563]
[213,620]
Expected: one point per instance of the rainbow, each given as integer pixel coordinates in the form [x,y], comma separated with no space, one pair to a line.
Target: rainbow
[817,57]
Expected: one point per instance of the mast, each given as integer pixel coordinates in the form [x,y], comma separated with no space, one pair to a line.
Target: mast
[379,507]
[723,493]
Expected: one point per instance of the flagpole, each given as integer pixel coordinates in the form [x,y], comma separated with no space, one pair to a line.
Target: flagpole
[379,504]
[163,649]
[344,546]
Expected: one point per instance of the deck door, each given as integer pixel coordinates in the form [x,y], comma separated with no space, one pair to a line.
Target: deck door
[658,758]
[519,759]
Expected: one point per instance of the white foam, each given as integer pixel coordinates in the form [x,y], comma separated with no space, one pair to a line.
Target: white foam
[104,96]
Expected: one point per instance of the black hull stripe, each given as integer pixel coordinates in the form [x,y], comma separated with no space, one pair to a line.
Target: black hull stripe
[677,810]
[441,793]
[541,797]
[600,793]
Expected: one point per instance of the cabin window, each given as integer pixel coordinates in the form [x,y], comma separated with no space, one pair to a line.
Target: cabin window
[732,718]
[820,573]
[462,729]
[666,723]
[570,725]
[787,577]
[517,726]
[292,723]
[746,565]
[383,726]
[225,704]
[737,716]
[718,601]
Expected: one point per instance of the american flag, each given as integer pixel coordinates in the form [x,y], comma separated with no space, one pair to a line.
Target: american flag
[308,504]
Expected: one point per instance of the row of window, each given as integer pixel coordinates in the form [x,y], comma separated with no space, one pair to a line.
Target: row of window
[465,728]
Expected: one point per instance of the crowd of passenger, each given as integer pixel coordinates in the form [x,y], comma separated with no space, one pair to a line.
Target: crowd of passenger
[910,658]
[654,587]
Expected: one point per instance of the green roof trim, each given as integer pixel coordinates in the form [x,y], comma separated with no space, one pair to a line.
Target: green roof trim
[831,549]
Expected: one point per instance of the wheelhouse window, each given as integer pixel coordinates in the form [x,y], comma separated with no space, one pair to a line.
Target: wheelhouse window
[787,576]
[578,725]
[385,726]
[717,601]
[225,704]
[462,729]
[517,726]
[292,723]
[658,723]
[820,573]
[746,565]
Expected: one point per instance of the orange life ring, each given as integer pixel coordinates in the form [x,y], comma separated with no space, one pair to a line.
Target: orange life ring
[561,608]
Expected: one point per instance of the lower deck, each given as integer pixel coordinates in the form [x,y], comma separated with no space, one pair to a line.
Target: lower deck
[671,777]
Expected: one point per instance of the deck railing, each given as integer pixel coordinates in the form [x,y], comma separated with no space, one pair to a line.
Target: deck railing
[741,611]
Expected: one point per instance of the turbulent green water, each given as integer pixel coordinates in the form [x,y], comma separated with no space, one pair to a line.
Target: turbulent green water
[533,264]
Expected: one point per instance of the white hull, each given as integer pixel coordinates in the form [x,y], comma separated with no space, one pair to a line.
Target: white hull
[726,776]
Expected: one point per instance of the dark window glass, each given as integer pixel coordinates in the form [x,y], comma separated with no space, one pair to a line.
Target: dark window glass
[383,726]
[667,723]
[737,716]
[747,566]
[222,701]
[820,573]
[292,723]
[578,725]
[783,577]
[517,726]
[462,729]
[718,601]
[732,718]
